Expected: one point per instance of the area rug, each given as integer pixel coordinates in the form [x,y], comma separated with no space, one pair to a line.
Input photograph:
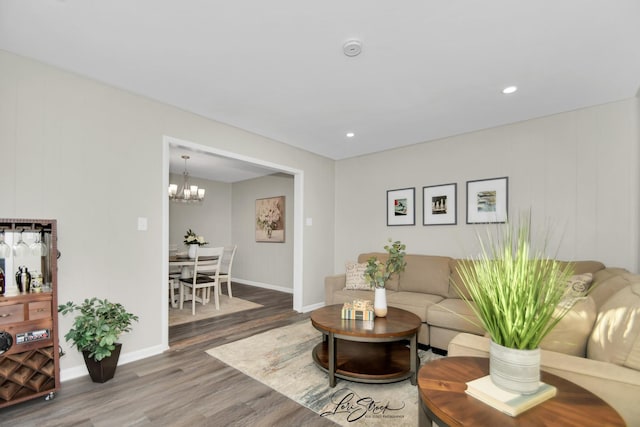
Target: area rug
[281,359]
[227,306]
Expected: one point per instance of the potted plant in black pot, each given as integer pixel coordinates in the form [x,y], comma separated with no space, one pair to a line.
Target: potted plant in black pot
[96,328]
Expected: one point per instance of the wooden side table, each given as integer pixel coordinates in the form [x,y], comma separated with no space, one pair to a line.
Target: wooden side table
[442,385]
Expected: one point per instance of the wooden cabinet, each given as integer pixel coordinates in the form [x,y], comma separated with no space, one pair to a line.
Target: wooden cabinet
[30,367]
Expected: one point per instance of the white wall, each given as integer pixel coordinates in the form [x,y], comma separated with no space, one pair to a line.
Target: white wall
[578,170]
[91,156]
[211,218]
[259,263]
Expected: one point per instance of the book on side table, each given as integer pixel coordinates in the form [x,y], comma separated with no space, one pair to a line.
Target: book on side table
[510,403]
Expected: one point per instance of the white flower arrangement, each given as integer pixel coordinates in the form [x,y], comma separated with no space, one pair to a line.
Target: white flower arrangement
[269,215]
[192,238]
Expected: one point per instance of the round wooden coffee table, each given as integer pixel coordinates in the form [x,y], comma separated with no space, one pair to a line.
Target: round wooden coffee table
[367,351]
[442,385]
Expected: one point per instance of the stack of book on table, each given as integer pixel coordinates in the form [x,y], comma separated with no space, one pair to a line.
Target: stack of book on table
[358,310]
[510,403]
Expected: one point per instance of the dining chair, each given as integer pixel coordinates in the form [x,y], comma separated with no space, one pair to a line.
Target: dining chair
[206,269]
[225,267]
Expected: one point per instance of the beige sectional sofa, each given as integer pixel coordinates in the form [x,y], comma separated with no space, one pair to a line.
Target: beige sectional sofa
[596,346]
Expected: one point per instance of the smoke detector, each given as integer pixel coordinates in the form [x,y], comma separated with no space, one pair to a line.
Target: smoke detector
[352,48]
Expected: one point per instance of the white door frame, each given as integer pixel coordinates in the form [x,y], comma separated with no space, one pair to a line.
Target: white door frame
[298,192]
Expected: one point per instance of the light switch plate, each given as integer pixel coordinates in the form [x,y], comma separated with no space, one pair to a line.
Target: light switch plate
[142,224]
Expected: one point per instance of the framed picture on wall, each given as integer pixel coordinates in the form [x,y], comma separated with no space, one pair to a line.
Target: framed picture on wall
[401,206]
[270,220]
[439,204]
[487,200]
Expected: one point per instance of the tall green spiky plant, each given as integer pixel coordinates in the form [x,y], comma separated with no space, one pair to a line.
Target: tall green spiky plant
[514,289]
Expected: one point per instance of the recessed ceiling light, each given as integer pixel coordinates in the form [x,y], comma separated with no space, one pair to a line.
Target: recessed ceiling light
[509,89]
[350,134]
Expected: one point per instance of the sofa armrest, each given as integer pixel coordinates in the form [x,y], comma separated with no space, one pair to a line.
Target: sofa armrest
[332,284]
[616,385]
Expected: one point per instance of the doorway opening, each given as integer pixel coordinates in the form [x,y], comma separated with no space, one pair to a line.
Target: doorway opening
[171,143]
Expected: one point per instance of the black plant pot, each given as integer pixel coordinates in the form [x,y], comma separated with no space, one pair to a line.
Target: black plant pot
[105,369]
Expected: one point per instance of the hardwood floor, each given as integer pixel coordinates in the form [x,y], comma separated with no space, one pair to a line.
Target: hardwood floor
[183,386]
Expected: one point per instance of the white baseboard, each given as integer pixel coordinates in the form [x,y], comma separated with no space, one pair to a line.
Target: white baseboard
[81,370]
[262,285]
[305,309]
[308,308]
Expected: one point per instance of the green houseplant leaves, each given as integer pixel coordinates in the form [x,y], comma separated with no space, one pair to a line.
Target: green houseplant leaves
[377,273]
[97,326]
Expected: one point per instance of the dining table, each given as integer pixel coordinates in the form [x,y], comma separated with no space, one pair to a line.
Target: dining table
[180,260]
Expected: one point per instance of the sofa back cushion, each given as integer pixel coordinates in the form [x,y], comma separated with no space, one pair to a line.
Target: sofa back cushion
[616,334]
[608,282]
[579,267]
[571,334]
[455,281]
[427,274]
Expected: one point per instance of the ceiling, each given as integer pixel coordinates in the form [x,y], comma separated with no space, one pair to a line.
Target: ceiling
[428,69]
[213,167]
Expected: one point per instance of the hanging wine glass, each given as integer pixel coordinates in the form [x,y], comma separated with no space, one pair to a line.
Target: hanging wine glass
[5,250]
[38,248]
[21,249]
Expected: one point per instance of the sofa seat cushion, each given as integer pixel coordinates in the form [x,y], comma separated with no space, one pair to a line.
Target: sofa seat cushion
[571,334]
[616,335]
[455,314]
[415,302]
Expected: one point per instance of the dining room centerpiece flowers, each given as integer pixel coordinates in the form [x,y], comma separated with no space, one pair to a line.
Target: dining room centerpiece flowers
[194,241]
[515,290]
[192,238]
[377,273]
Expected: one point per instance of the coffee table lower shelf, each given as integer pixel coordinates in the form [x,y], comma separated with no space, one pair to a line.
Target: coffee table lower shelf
[366,362]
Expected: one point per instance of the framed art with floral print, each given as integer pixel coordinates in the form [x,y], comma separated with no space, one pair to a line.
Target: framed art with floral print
[487,200]
[270,220]
[401,206]
[439,204]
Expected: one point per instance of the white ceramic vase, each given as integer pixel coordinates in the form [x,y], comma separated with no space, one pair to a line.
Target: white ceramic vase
[514,370]
[193,250]
[380,302]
